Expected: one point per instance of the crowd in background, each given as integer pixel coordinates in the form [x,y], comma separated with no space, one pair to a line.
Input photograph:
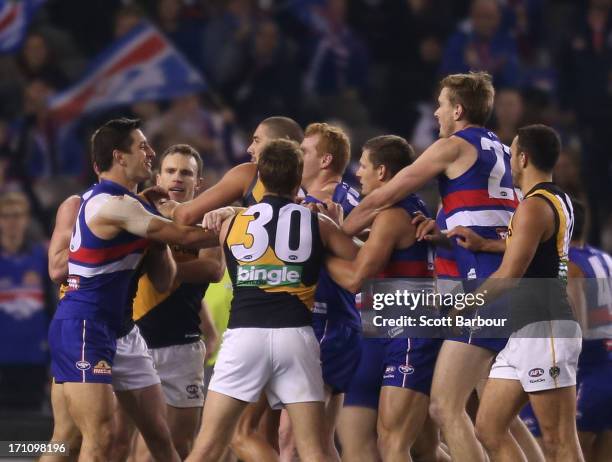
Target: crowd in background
[370,65]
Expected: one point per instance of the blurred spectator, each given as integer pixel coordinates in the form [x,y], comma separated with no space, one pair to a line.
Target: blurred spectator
[336,59]
[481,44]
[211,133]
[567,174]
[586,89]
[36,61]
[185,34]
[126,19]
[508,114]
[226,41]
[24,308]
[269,81]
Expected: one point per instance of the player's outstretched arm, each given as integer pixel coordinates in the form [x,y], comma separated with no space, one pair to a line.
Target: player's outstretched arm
[60,240]
[335,241]
[431,163]
[470,240]
[229,189]
[112,213]
[576,294]
[388,227]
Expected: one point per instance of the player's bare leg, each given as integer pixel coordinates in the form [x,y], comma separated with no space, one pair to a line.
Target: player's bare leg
[527,442]
[427,446]
[603,447]
[556,414]
[65,429]
[587,444]
[286,442]
[357,433]
[500,403]
[248,443]
[147,408]
[461,365]
[333,406]
[219,421]
[123,435]
[183,424]
[401,415]
[307,421]
[91,406]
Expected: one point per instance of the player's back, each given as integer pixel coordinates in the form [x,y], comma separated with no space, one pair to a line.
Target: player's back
[335,306]
[274,253]
[482,198]
[100,270]
[596,267]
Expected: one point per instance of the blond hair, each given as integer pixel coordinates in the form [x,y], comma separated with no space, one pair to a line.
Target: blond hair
[473,91]
[334,141]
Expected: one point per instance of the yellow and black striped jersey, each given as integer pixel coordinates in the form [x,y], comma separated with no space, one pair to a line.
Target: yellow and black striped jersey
[257,190]
[274,254]
[552,256]
[542,292]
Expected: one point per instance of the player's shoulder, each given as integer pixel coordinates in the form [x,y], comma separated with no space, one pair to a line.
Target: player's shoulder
[246,170]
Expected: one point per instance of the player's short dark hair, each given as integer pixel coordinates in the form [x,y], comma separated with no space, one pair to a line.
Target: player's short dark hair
[283,128]
[187,151]
[542,144]
[474,92]
[114,134]
[392,151]
[280,166]
[580,219]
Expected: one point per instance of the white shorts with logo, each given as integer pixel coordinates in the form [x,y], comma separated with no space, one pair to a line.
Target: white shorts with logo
[133,366]
[544,362]
[284,363]
[181,370]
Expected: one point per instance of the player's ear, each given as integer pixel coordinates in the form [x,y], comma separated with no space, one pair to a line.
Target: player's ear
[382,172]
[458,112]
[119,157]
[326,160]
[199,186]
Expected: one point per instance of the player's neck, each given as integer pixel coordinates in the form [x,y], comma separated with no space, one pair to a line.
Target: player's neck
[324,183]
[532,178]
[119,177]
[463,124]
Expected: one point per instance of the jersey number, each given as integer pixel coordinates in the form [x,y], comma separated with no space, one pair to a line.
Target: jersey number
[496,190]
[261,239]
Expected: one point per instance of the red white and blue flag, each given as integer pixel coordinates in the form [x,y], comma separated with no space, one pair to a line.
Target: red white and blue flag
[15,16]
[141,66]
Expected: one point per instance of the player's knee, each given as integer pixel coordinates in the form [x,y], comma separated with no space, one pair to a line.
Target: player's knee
[242,438]
[551,440]
[487,435]
[438,410]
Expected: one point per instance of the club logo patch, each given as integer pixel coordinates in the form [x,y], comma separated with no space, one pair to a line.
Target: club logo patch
[192,391]
[82,365]
[406,369]
[536,372]
[554,372]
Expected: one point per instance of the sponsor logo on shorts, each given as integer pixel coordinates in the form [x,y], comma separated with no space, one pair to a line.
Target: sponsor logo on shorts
[406,369]
[102,368]
[193,391]
[536,372]
[537,380]
[554,372]
[389,372]
[82,365]
[269,275]
[471,273]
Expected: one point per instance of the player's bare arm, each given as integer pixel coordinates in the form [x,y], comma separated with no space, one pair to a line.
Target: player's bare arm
[435,160]
[532,223]
[335,241]
[107,215]
[160,267]
[208,267]
[470,240]
[390,228]
[230,188]
[60,240]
